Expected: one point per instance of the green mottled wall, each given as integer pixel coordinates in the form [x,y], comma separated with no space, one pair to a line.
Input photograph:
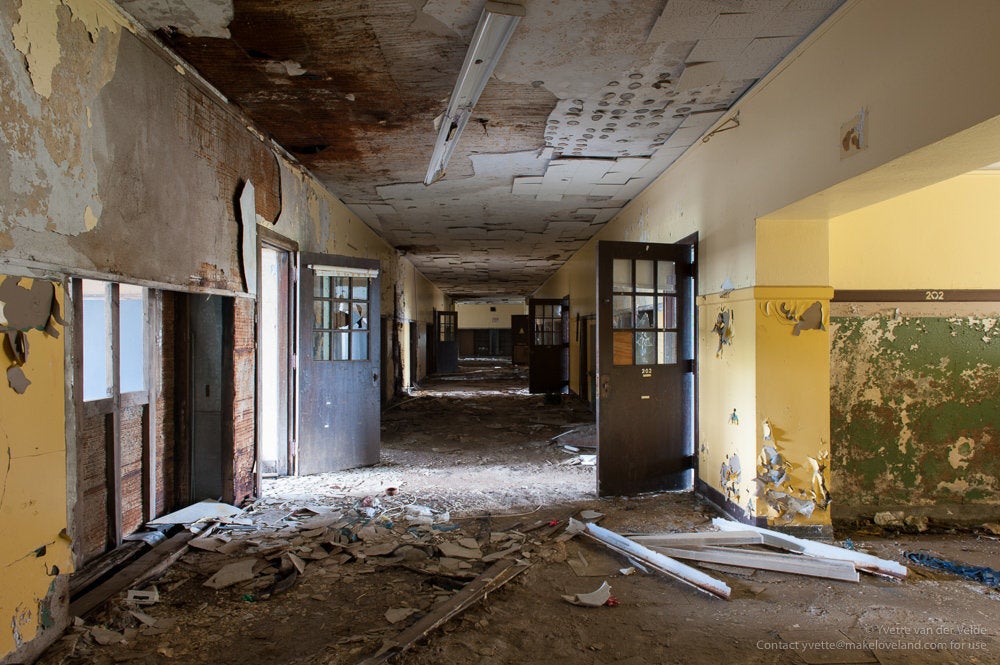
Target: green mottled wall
[915,409]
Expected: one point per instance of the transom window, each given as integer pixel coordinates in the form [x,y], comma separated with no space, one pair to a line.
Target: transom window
[340,318]
[644,312]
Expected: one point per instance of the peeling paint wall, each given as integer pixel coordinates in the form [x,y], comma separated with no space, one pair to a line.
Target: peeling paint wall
[727,400]
[115,164]
[34,549]
[915,408]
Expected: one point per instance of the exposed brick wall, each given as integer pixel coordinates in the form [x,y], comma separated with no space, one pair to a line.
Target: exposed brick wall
[132,437]
[90,524]
[166,495]
[244,390]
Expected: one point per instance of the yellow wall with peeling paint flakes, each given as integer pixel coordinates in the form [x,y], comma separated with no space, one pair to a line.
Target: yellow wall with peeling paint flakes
[726,382]
[793,392]
[32,486]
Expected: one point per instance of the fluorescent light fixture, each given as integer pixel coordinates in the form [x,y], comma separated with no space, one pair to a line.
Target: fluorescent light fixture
[495,27]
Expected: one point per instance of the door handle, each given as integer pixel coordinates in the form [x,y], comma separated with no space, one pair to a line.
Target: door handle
[605,386]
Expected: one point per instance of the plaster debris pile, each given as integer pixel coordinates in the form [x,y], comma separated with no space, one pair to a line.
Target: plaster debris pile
[268,549]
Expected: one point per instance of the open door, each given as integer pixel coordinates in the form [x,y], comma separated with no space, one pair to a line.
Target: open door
[645,339]
[446,341]
[339,351]
[548,365]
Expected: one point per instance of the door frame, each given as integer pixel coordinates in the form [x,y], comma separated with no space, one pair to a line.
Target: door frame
[274,241]
[686,335]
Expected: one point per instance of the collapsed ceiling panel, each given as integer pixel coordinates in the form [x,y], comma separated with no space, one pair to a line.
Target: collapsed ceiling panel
[589,103]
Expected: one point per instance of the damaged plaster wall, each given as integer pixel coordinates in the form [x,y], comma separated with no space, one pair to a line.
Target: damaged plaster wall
[915,391]
[785,151]
[475,315]
[915,408]
[115,164]
[34,549]
[727,441]
[792,410]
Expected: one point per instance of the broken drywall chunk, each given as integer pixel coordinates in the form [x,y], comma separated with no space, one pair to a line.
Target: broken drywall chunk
[456,551]
[233,573]
[17,380]
[595,598]
[397,614]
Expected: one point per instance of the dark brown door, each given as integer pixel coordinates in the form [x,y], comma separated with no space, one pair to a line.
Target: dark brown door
[446,340]
[549,355]
[520,326]
[645,340]
[339,351]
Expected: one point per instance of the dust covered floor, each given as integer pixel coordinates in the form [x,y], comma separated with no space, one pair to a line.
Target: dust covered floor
[474,442]
[372,564]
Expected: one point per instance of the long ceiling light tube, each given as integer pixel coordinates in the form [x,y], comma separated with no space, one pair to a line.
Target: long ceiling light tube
[496,25]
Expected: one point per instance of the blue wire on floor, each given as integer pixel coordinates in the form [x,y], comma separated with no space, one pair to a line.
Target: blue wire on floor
[982,574]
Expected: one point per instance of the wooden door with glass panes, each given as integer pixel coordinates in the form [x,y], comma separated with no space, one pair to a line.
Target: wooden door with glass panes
[547,356]
[338,363]
[645,386]
[446,336]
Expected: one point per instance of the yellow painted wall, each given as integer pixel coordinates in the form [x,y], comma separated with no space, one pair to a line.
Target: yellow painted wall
[726,381]
[793,391]
[792,252]
[477,316]
[33,512]
[943,236]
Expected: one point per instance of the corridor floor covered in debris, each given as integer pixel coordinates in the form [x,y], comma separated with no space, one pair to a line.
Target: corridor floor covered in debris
[459,547]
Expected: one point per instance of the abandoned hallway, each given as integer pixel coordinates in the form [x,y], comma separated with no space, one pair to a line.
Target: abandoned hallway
[473,464]
[425,314]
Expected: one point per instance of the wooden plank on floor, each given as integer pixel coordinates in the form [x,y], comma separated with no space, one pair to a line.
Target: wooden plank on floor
[861,561]
[103,565]
[699,539]
[660,562]
[149,564]
[492,579]
[783,563]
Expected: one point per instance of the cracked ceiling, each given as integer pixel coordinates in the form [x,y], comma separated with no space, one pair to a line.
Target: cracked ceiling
[590,102]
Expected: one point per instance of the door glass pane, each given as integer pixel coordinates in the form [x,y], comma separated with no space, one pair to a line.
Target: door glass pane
[359,346]
[359,288]
[95,340]
[622,275]
[666,277]
[622,351]
[321,287]
[339,348]
[669,312]
[645,347]
[321,346]
[644,314]
[621,317]
[341,316]
[667,348]
[341,287]
[359,317]
[131,328]
[644,276]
